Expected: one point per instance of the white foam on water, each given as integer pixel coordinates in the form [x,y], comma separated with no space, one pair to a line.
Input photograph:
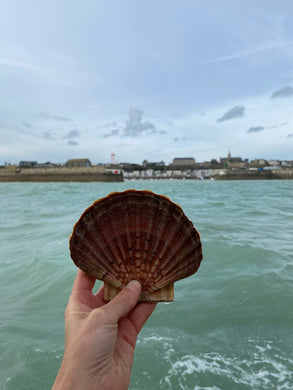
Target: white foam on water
[154,338]
[239,371]
[206,388]
[259,364]
[261,370]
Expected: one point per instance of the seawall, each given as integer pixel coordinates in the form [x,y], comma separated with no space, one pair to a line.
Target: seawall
[58,174]
[274,174]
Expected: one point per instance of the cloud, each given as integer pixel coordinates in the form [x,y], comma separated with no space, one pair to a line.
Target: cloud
[112,133]
[249,52]
[255,129]
[48,135]
[169,123]
[41,115]
[16,63]
[28,125]
[72,134]
[71,142]
[58,118]
[135,125]
[280,125]
[62,118]
[234,113]
[177,139]
[290,135]
[108,125]
[284,92]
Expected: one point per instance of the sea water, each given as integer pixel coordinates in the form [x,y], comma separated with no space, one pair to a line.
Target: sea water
[231,324]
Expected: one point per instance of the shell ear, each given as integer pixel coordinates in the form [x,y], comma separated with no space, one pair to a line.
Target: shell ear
[165,294]
[136,235]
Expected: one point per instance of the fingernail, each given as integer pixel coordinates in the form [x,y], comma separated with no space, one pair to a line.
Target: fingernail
[134,285]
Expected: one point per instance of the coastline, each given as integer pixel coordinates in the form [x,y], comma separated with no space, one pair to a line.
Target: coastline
[100,174]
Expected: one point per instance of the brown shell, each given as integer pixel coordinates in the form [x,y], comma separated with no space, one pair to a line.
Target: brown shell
[136,235]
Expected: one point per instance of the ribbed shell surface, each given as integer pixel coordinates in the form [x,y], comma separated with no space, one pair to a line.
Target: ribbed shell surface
[136,235]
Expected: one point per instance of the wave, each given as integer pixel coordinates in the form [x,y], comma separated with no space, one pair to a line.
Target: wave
[262,364]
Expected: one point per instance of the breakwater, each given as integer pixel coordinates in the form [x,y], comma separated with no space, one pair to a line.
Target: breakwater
[274,174]
[59,174]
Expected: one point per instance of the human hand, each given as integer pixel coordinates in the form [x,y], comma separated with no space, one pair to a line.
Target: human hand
[100,337]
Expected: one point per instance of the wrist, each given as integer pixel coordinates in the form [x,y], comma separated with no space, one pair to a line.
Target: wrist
[66,379]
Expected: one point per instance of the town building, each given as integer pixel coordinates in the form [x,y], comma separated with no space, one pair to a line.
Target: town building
[26,164]
[256,163]
[232,162]
[78,163]
[156,164]
[183,163]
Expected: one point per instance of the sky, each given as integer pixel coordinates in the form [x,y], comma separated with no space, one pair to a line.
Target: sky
[148,79]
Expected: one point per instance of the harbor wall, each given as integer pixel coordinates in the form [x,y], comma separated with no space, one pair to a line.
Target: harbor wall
[59,174]
[274,174]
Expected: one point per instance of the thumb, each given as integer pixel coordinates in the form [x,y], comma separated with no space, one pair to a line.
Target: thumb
[124,301]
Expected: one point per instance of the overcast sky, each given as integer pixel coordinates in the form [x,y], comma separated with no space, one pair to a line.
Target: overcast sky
[149,79]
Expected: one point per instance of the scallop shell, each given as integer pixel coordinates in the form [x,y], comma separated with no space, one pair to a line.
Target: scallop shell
[136,235]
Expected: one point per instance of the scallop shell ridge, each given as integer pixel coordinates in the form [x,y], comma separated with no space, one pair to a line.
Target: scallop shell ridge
[136,235]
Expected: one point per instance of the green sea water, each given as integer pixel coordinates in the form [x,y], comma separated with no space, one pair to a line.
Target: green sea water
[231,325]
